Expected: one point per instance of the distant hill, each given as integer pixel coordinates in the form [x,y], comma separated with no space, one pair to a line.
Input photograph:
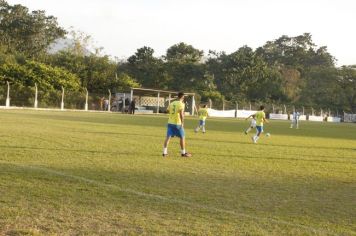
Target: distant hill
[64,44]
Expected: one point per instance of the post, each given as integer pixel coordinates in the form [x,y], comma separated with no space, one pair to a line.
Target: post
[223,104]
[109,105]
[273,108]
[210,103]
[303,111]
[158,103]
[293,108]
[312,111]
[193,105]
[285,109]
[8,94]
[321,112]
[123,103]
[62,103]
[250,107]
[86,100]
[131,95]
[169,99]
[329,112]
[36,92]
[237,106]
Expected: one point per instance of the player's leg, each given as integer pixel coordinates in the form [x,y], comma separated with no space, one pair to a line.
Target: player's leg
[182,143]
[259,130]
[248,129]
[165,146]
[203,126]
[170,133]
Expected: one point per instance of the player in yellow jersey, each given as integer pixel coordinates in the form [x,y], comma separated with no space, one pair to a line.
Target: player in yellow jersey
[203,114]
[175,125]
[260,119]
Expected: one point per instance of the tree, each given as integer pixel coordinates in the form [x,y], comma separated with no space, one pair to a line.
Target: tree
[347,82]
[184,65]
[183,53]
[245,75]
[27,32]
[146,69]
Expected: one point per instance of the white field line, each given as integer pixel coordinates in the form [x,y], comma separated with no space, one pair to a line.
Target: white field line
[169,199]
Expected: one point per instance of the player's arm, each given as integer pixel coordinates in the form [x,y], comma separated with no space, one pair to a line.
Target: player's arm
[265,120]
[249,116]
[181,115]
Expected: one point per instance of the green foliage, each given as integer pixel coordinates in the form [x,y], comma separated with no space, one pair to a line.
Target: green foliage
[23,78]
[286,70]
[146,69]
[27,32]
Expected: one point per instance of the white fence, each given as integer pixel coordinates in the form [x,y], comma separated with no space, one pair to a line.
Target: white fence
[349,117]
[274,116]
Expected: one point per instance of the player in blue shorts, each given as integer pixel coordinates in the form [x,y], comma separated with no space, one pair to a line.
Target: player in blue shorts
[176,125]
[260,119]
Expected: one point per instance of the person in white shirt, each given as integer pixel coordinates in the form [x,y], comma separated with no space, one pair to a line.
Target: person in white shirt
[253,123]
[295,120]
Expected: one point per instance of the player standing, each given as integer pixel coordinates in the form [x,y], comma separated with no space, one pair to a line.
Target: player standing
[203,114]
[260,119]
[175,125]
[295,120]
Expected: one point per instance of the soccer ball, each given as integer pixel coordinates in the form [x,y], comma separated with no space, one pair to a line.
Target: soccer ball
[268,134]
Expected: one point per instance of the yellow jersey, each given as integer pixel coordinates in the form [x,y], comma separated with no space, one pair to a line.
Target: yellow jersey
[203,113]
[260,115]
[174,110]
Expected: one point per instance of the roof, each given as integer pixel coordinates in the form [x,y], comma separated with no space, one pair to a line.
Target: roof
[145,91]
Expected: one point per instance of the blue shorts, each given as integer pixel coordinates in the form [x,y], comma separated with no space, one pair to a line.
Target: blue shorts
[259,129]
[175,130]
[201,122]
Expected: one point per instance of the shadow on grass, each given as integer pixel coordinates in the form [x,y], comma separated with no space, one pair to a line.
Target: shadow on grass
[265,157]
[276,145]
[290,198]
[65,149]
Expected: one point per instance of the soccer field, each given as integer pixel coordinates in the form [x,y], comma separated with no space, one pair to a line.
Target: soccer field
[76,173]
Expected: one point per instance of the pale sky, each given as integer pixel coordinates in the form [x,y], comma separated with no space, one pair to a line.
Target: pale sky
[122,26]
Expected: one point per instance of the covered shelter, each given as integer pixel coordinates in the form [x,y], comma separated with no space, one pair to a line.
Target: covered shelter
[158,100]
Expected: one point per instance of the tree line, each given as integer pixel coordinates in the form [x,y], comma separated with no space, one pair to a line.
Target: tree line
[287,70]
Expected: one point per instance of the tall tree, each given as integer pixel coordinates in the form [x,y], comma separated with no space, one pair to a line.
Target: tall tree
[146,69]
[27,32]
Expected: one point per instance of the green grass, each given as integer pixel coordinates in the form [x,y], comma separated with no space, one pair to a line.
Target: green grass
[72,173]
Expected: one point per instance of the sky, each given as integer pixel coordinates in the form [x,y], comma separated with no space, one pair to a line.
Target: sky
[123,26]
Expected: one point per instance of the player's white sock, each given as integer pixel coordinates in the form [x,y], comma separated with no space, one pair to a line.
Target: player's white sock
[165,150]
[203,129]
[248,130]
[183,151]
[256,138]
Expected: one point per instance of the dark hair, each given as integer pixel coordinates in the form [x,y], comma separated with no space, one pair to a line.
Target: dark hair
[204,105]
[180,95]
[262,107]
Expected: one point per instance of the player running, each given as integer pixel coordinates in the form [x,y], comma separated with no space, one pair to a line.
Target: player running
[203,114]
[253,123]
[175,125]
[260,119]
